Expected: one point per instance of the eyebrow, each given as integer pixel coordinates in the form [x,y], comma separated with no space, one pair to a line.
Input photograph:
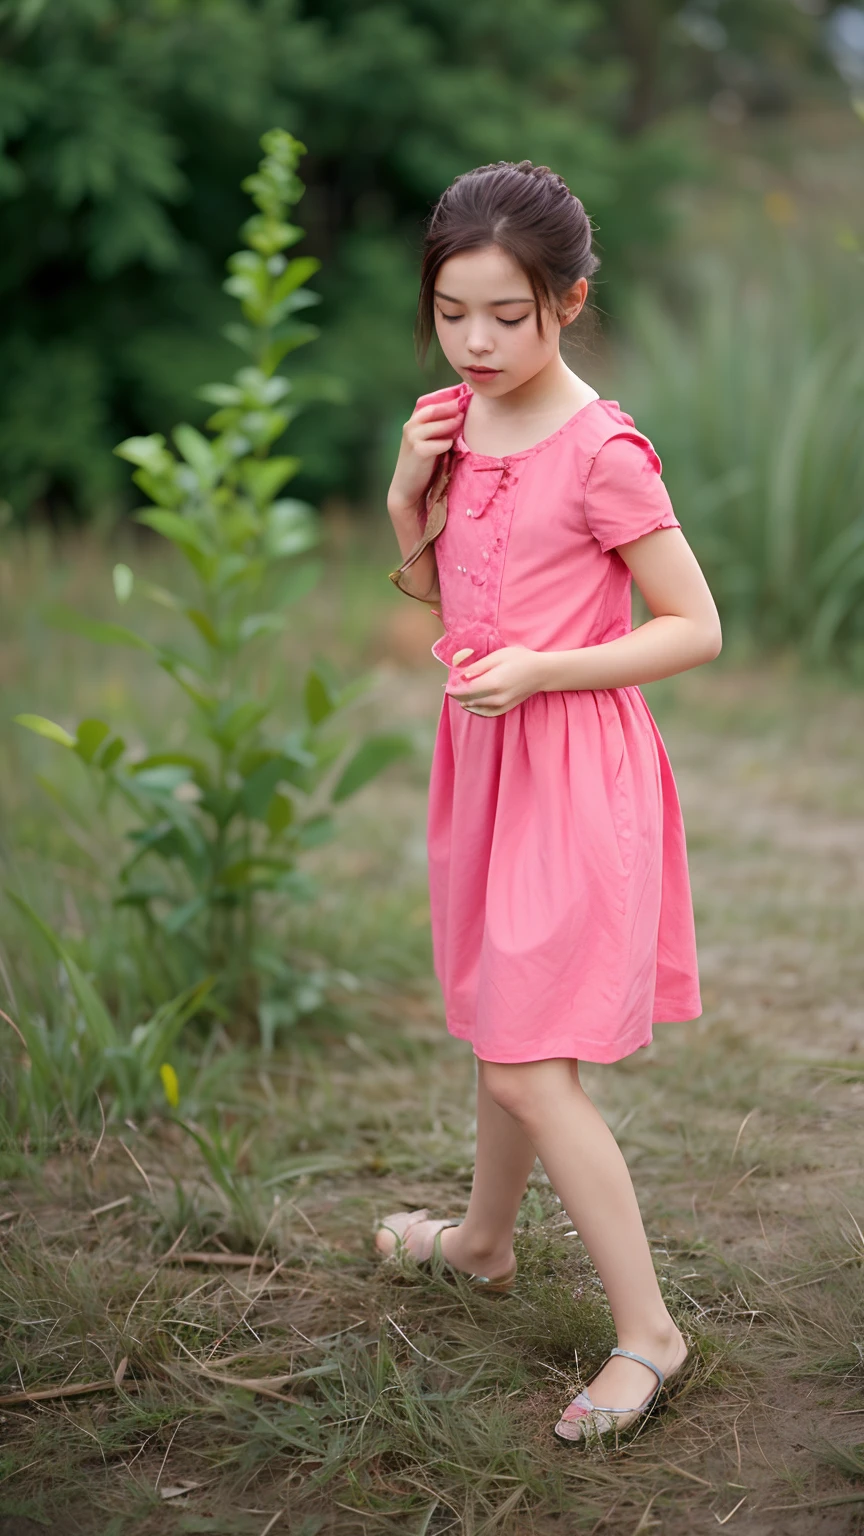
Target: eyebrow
[529,299]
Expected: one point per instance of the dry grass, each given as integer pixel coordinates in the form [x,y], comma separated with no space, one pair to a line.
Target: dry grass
[308,1389]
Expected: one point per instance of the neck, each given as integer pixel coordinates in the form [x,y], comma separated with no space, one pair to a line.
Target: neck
[554,385]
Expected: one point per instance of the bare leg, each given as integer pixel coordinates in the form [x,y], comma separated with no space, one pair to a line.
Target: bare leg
[588,1172]
[483,1242]
[505,1157]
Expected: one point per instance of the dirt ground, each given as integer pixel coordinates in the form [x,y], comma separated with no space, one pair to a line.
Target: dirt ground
[743,1130]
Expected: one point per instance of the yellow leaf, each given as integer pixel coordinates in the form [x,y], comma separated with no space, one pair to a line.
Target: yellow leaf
[170,1083]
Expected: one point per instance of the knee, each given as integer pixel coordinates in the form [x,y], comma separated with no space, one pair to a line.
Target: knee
[524,1088]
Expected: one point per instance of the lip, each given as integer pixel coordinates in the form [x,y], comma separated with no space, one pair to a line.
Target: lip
[483,373]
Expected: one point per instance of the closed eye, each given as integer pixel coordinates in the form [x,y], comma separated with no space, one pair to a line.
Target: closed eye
[453,318]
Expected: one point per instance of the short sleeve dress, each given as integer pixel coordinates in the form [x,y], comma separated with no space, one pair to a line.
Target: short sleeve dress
[561,910]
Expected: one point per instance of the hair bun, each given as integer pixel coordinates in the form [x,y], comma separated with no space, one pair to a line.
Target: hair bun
[528,211]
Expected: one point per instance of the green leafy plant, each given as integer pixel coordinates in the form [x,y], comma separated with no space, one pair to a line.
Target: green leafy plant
[80,1059]
[758,423]
[222,822]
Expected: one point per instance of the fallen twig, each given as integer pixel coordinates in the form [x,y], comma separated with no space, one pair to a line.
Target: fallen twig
[232,1260]
[46,1394]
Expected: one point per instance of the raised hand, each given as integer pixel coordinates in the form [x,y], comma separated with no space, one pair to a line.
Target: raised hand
[429,431]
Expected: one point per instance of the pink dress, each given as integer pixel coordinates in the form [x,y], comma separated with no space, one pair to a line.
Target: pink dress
[562,919]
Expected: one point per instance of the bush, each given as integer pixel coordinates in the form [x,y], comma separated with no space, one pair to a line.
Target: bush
[223,822]
[754,397]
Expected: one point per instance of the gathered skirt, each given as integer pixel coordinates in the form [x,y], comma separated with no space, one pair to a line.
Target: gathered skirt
[561,909]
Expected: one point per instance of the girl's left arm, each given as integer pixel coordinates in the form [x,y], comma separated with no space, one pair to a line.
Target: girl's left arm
[683,633]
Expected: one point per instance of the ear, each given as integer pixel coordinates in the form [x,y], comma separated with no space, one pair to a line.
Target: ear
[573,301]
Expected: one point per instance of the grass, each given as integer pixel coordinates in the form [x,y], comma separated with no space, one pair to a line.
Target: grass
[210,1275]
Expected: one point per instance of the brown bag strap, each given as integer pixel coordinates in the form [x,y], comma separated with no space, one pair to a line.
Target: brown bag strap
[436,517]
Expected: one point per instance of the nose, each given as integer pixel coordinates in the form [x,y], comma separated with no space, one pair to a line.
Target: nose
[479,343]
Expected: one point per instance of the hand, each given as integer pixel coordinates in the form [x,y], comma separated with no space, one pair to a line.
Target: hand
[429,432]
[499,681]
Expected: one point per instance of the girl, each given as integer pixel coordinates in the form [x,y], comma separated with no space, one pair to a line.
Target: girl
[562,920]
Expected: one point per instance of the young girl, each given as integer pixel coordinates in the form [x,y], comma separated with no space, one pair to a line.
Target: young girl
[562,919]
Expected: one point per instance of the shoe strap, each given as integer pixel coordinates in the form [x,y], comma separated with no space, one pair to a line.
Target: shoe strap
[631,1355]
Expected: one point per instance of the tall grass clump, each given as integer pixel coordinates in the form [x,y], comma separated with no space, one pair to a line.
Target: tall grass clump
[753,390]
[217,822]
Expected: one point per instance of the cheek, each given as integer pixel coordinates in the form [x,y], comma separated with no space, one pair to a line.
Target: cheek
[527,346]
[447,339]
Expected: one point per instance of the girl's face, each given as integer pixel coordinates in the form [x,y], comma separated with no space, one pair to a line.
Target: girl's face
[485,320]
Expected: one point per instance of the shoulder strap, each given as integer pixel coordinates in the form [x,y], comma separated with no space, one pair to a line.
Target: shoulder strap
[436,517]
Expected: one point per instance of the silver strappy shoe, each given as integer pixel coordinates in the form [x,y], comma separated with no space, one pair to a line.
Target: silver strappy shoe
[584,1420]
[399,1230]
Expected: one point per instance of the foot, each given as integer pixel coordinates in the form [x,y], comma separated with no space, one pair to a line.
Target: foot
[417,1234]
[622,1382]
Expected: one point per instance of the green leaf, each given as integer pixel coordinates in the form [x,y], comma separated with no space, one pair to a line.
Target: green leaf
[260,624]
[153,1041]
[242,336]
[257,791]
[43,727]
[205,627]
[165,490]
[196,765]
[280,813]
[124,581]
[221,804]
[254,870]
[328,749]
[160,780]
[263,478]
[148,452]
[182,915]
[91,734]
[160,595]
[93,629]
[110,753]
[318,699]
[292,528]
[295,275]
[175,668]
[228,730]
[180,530]
[96,1016]
[317,830]
[296,335]
[220,394]
[375,754]
[198,453]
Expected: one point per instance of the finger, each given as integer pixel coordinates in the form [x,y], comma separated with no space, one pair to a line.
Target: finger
[460,655]
[437,412]
[440,395]
[445,426]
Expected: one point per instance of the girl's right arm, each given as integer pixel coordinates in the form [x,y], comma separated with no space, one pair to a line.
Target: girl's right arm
[429,432]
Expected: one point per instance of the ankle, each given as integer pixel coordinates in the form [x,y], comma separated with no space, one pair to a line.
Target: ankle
[654,1334]
[485,1245]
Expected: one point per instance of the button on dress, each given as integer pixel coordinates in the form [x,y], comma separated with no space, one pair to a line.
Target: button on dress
[561,911]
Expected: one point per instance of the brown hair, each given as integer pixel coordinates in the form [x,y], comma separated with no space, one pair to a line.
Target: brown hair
[529,212]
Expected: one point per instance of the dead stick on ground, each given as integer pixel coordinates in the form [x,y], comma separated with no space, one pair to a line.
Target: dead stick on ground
[45,1394]
[232,1260]
[133,1158]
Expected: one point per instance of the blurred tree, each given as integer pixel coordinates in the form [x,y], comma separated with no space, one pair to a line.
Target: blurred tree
[738,55]
[125,127]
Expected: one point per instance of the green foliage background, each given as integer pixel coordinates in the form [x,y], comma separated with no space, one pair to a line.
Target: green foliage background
[126,128]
